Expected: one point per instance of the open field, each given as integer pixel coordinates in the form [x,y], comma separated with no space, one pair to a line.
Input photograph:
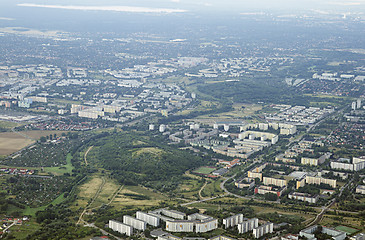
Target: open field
[203,106]
[87,191]
[150,150]
[63,169]
[212,189]
[189,188]
[11,142]
[204,170]
[37,134]
[22,231]
[64,101]
[32,211]
[9,125]
[136,196]
[353,222]
[240,111]
[346,229]
[105,196]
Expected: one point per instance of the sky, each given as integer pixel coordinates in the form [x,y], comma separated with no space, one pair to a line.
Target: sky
[109,14]
[201,5]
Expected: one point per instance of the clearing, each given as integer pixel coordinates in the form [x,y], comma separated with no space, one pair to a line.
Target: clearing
[204,170]
[137,196]
[11,142]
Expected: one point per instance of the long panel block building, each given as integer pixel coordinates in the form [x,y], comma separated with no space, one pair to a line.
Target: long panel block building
[263,229]
[248,225]
[233,220]
[135,223]
[149,219]
[180,226]
[121,227]
[206,225]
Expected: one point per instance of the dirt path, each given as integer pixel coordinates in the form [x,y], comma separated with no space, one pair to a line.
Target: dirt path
[85,155]
[201,189]
[92,200]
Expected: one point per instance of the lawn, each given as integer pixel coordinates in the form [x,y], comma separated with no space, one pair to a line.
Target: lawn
[136,196]
[189,188]
[63,169]
[22,231]
[355,222]
[9,125]
[204,170]
[346,229]
[212,189]
[32,211]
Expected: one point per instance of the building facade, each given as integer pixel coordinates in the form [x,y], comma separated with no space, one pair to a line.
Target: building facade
[120,227]
[263,229]
[135,223]
[149,219]
[248,225]
[233,220]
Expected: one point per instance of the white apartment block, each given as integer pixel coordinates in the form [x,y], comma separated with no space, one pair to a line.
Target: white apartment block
[233,220]
[149,219]
[263,229]
[121,228]
[248,225]
[274,181]
[135,223]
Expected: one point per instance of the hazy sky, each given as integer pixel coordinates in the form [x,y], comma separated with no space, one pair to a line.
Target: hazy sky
[210,5]
[82,14]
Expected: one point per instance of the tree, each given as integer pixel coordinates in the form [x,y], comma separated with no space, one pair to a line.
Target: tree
[271,196]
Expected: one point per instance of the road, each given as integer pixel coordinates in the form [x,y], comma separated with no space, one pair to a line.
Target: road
[7,228]
[329,205]
[203,200]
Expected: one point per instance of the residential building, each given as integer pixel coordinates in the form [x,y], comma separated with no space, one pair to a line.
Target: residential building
[318,180]
[360,189]
[233,220]
[120,227]
[248,225]
[263,229]
[274,181]
[149,219]
[305,197]
[135,223]
[268,189]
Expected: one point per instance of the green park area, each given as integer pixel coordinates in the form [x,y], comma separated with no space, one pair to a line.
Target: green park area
[204,170]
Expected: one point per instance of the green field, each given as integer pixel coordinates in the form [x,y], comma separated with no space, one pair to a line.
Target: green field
[204,170]
[346,229]
[8,125]
[32,211]
[212,189]
[63,169]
